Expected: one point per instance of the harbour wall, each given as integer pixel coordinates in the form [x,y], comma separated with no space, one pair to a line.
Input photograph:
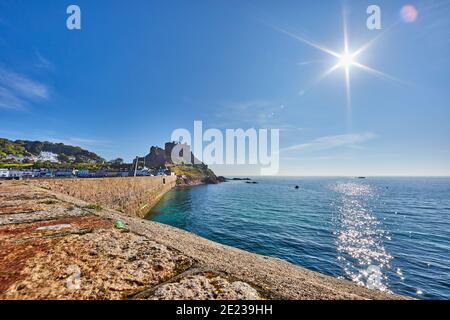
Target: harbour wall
[134,196]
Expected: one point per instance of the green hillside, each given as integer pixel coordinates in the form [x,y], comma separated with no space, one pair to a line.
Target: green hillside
[64,152]
[190,170]
[8,147]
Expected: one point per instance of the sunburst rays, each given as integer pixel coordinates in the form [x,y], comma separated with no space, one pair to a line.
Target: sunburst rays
[345,60]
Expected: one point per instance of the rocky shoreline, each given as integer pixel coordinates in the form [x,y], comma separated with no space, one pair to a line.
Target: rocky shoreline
[198,180]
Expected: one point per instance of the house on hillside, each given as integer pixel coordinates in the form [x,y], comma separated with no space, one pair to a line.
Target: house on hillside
[48,156]
[15,158]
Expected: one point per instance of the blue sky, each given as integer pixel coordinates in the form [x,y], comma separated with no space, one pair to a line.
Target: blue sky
[138,70]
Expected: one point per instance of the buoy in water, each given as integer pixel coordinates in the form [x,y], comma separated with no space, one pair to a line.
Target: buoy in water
[297,187]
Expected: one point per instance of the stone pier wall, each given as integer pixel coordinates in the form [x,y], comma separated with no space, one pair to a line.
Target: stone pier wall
[133,196]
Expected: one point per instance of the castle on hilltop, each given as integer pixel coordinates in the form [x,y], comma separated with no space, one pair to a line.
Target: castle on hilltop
[159,157]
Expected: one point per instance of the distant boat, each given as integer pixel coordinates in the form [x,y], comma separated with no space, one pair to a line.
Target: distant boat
[361,177]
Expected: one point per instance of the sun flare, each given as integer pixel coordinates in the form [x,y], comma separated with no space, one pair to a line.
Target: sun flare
[346,60]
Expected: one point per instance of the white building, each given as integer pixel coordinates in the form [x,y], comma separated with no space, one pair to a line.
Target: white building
[16,158]
[4,173]
[15,173]
[31,158]
[48,156]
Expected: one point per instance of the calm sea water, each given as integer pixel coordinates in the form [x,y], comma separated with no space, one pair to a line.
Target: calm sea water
[392,234]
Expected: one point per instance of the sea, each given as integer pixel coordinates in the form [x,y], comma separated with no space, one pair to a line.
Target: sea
[386,233]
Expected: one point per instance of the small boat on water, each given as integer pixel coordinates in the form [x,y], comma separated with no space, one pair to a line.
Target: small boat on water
[361,177]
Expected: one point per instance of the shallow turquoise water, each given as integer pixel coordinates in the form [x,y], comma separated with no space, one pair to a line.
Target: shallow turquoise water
[392,234]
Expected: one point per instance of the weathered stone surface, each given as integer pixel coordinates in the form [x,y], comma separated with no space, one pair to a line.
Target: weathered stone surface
[19,204]
[112,265]
[49,214]
[19,199]
[206,286]
[44,240]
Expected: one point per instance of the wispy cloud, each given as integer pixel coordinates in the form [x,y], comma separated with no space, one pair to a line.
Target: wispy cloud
[43,62]
[325,158]
[81,142]
[89,142]
[49,135]
[17,91]
[248,110]
[305,63]
[253,113]
[330,142]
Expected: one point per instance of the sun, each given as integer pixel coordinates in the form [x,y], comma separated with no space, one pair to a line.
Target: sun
[346,60]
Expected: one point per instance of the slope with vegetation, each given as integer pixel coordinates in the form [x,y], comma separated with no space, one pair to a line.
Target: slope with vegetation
[8,147]
[66,154]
